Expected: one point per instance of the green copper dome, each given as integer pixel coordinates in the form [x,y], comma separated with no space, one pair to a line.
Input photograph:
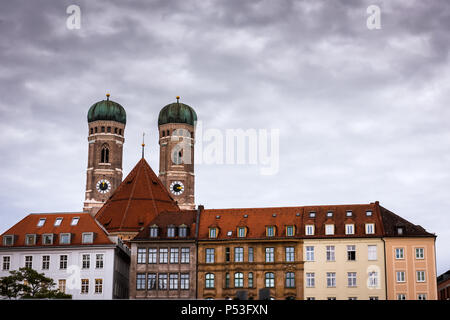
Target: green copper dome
[177,112]
[107,110]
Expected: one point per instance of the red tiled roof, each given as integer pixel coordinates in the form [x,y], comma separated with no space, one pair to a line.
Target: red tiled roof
[136,201]
[166,219]
[29,225]
[259,218]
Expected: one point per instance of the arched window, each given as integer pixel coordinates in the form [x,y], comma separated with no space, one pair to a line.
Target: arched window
[104,158]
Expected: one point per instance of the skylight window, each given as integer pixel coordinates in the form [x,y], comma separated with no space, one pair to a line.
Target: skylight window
[75,221]
[58,222]
[41,222]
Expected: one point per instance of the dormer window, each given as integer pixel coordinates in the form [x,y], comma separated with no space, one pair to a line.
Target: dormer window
[312,214]
[58,222]
[242,232]
[170,232]
[75,221]
[41,222]
[330,214]
[369,213]
[47,239]
[88,237]
[270,231]
[290,230]
[329,229]
[30,239]
[212,233]
[349,214]
[400,231]
[153,231]
[182,231]
[64,238]
[370,228]
[8,240]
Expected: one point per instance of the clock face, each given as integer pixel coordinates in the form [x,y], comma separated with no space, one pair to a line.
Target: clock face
[177,187]
[103,186]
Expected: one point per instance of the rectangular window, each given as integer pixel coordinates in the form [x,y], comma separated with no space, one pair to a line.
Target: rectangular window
[250,279]
[399,253]
[373,279]
[152,255]
[349,229]
[45,262]
[369,213]
[330,253]
[162,281]
[289,231]
[270,280]
[163,255]
[182,232]
[58,222]
[210,255]
[250,254]
[184,281]
[141,255]
[241,232]
[75,221]
[370,228]
[8,240]
[212,233]
[349,213]
[238,280]
[420,253]
[239,254]
[310,279]
[151,281]
[400,276]
[309,253]
[98,286]
[86,261]
[227,254]
[270,231]
[84,286]
[63,262]
[290,254]
[28,262]
[401,296]
[309,230]
[331,279]
[62,285]
[351,253]
[30,239]
[99,261]
[329,229]
[47,239]
[290,280]
[153,232]
[270,252]
[88,237]
[372,252]
[173,281]
[41,222]
[185,255]
[351,276]
[170,232]
[420,276]
[140,281]
[64,238]
[174,253]
[209,280]
[373,298]
[6,263]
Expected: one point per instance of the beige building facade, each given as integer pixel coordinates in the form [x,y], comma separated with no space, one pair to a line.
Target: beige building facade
[344,269]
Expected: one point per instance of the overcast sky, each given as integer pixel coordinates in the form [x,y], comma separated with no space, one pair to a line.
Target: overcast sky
[363,114]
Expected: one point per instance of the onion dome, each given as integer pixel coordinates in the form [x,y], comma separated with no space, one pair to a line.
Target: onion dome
[107,110]
[177,112]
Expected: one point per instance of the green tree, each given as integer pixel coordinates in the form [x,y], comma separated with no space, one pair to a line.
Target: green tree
[27,283]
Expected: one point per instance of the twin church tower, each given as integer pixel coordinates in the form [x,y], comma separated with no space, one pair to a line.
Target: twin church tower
[107,121]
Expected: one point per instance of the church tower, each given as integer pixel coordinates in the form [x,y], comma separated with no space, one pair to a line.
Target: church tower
[176,124]
[106,121]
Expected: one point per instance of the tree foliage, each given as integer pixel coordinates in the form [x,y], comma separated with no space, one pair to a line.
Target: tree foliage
[27,283]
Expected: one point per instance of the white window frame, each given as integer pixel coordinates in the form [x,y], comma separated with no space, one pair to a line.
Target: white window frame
[421,276]
[370,228]
[350,228]
[58,221]
[34,237]
[331,279]
[400,276]
[310,280]
[330,252]
[401,296]
[309,229]
[51,237]
[11,239]
[87,234]
[372,252]
[6,263]
[41,222]
[329,229]
[87,261]
[309,253]
[74,221]
[351,279]
[65,234]
[422,296]
[397,251]
[422,253]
